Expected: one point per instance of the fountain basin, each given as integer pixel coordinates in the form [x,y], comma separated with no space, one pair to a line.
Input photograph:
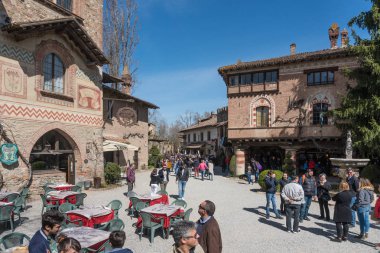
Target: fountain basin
[345,163]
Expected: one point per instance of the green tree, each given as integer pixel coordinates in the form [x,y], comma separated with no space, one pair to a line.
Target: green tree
[360,108]
[154,156]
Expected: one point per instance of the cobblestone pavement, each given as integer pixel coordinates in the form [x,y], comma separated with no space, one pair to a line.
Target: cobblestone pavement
[241,216]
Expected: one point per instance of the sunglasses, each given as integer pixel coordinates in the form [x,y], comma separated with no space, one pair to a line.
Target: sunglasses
[201,207]
[194,236]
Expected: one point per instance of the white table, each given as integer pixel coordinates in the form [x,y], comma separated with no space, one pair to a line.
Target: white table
[87,237]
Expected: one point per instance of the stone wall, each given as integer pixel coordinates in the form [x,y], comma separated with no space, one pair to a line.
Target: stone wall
[40,178]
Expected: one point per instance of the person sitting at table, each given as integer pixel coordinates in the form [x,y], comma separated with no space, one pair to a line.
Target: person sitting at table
[185,238]
[69,245]
[43,240]
[154,181]
[117,240]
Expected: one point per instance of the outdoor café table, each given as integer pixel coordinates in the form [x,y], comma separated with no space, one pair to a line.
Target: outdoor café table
[161,211]
[4,195]
[152,199]
[91,216]
[87,237]
[61,187]
[61,197]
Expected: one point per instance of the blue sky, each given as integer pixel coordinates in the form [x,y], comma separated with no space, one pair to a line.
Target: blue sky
[184,42]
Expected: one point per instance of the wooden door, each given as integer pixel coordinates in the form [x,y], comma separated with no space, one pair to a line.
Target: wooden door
[71,169]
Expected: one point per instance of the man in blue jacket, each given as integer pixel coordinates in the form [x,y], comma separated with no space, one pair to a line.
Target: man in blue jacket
[270,185]
[43,240]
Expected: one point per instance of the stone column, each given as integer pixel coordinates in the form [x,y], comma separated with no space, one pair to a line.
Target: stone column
[240,162]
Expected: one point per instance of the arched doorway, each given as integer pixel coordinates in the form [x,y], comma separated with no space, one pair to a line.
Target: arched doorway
[53,151]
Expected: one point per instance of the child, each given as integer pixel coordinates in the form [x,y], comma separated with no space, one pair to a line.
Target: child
[117,239]
[249,174]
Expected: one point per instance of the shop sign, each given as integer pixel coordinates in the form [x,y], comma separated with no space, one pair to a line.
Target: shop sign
[9,153]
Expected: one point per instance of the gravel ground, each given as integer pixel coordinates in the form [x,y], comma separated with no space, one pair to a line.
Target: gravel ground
[240,211]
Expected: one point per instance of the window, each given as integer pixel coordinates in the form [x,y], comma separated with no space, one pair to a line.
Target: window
[234,80]
[320,77]
[202,136]
[319,114]
[67,4]
[208,135]
[188,138]
[255,78]
[194,137]
[109,109]
[258,78]
[262,116]
[246,79]
[53,71]
[271,77]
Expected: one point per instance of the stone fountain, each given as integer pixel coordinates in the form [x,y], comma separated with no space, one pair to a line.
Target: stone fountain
[348,162]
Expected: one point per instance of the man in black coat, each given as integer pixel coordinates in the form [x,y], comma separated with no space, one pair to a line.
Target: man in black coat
[271,188]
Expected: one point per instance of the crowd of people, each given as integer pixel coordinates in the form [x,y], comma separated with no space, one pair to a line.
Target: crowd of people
[353,200]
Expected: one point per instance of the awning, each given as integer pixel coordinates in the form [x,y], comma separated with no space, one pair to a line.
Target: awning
[114,146]
[194,146]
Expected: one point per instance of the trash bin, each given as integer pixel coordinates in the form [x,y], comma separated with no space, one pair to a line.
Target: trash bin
[87,184]
[97,182]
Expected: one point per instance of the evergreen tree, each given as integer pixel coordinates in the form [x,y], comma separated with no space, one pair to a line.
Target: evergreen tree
[360,109]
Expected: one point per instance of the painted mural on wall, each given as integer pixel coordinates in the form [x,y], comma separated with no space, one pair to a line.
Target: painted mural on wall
[13,81]
[89,98]
[9,153]
[126,116]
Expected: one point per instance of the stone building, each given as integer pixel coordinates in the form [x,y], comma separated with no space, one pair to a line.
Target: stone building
[51,90]
[125,123]
[279,105]
[163,144]
[201,138]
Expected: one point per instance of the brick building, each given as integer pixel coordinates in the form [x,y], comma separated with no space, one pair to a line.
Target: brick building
[279,105]
[51,89]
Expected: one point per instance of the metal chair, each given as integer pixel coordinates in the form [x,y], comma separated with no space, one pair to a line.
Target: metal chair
[180,202]
[115,205]
[113,225]
[149,222]
[24,195]
[14,239]
[162,192]
[140,205]
[6,214]
[48,189]
[80,199]
[18,207]
[46,205]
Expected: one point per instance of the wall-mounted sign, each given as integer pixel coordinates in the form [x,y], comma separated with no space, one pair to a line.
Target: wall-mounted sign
[9,153]
[126,116]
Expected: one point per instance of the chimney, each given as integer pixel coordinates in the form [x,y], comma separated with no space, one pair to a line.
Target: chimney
[127,78]
[333,35]
[344,38]
[293,49]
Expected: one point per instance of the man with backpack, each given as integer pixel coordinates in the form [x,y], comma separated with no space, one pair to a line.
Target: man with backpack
[131,176]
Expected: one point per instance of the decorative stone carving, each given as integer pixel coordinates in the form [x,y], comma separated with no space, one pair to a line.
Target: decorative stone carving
[126,116]
[88,98]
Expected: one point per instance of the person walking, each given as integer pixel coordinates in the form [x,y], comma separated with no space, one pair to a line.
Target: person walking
[249,174]
[154,182]
[182,177]
[208,228]
[309,185]
[131,177]
[227,162]
[202,168]
[293,196]
[196,167]
[271,188]
[164,178]
[342,211]
[353,183]
[323,188]
[284,181]
[364,198]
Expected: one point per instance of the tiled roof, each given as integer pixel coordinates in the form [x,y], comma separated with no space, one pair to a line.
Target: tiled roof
[207,122]
[300,57]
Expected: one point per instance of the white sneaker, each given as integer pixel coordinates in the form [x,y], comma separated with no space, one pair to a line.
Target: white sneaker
[183,198]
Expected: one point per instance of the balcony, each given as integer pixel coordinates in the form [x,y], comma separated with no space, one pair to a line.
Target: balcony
[284,133]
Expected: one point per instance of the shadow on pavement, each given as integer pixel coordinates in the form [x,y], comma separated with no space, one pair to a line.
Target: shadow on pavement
[174,196]
[272,223]
[319,231]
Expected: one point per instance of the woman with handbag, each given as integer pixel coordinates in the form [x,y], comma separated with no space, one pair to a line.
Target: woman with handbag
[323,188]
[342,211]
[364,198]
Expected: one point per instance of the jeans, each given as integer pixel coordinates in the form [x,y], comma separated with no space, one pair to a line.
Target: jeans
[305,207]
[228,170]
[324,208]
[181,188]
[271,197]
[249,177]
[130,186]
[290,210]
[363,215]
[342,229]
[202,174]
[163,185]
[353,221]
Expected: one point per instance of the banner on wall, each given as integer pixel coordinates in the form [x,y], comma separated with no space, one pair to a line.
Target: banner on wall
[9,153]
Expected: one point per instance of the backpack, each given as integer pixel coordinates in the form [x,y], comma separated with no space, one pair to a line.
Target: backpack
[259,167]
[131,175]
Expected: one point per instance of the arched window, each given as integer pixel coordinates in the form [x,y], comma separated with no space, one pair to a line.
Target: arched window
[319,113]
[53,73]
[262,116]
